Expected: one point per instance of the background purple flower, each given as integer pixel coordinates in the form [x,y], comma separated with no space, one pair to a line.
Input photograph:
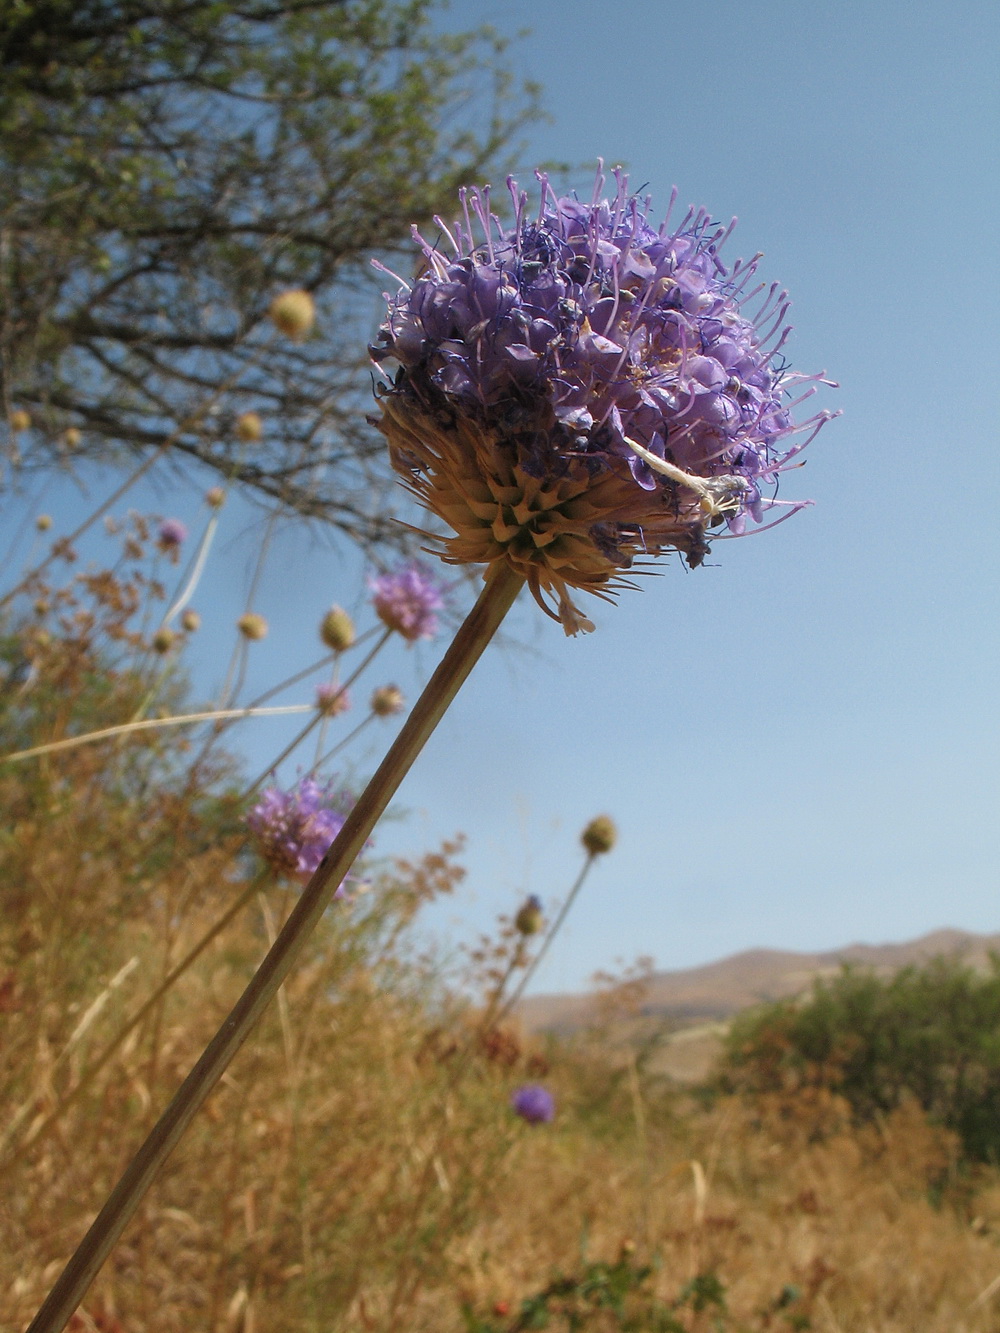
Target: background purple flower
[406,600]
[533,1103]
[171,534]
[293,829]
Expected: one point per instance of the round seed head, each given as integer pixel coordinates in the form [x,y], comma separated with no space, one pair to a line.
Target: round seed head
[72,437]
[215,497]
[386,700]
[599,836]
[249,428]
[191,620]
[293,313]
[163,640]
[20,419]
[43,522]
[529,919]
[337,629]
[252,626]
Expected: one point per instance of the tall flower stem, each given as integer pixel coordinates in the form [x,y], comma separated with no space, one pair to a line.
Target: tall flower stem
[482,622]
[533,966]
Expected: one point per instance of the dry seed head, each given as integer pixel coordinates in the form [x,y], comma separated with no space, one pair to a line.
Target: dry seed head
[43,522]
[215,497]
[529,919]
[72,437]
[293,313]
[249,428]
[386,700]
[252,626]
[337,629]
[163,640]
[20,420]
[191,620]
[599,836]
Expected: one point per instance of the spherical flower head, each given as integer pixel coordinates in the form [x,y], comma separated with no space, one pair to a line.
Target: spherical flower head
[293,313]
[215,497]
[171,534]
[293,829]
[163,640]
[534,1104]
[252,626]
[387,700]
[529,918]
[406,600]
[72,437]
[336,629]
[599,836]
[249,428]
[43,522]
[586,388]
[20,420]
[331,699]
[190,620]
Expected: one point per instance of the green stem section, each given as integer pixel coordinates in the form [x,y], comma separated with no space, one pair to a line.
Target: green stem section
[482,622]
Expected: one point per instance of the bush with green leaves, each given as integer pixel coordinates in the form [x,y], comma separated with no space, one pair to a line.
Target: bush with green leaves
[930,1032]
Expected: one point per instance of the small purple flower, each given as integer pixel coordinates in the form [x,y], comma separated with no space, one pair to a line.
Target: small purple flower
[172,534]
[533,1103]
[293,829]
[406,600]
[332,699]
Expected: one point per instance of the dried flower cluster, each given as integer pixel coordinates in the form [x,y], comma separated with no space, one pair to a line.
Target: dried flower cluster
[584,388]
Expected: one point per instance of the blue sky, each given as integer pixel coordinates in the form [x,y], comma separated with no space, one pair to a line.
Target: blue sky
[799,742]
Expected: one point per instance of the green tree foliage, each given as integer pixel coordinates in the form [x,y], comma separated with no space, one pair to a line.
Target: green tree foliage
[931,1032]
[168,166]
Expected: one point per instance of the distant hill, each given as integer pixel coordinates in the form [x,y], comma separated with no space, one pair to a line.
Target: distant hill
[698,1001]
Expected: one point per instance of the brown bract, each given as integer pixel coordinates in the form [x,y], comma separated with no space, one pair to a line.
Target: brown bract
[546,528]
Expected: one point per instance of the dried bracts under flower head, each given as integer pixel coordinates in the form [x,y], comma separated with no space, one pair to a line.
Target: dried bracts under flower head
[585,388]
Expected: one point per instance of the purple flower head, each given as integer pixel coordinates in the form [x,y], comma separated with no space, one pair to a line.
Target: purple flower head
[172,533]
[406,600]
[533,1103]
[587,387]
[332,699]
[293,829]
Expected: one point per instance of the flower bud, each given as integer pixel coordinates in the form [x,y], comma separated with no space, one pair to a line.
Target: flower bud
[337,629]
[43,522]
[215,497]
[599,836]
[72,437]
[163,639]
[252,626]
[249,428]
[20,420]
[529,919]
[386,700]
[293,313]
[191,620]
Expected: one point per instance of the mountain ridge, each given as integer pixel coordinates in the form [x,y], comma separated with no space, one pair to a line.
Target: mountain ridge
[698,1001]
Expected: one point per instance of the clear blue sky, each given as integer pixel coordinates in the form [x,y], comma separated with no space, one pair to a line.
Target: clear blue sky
[799,742]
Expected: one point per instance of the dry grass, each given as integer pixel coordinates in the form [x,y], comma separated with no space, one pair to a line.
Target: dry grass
[359,1170]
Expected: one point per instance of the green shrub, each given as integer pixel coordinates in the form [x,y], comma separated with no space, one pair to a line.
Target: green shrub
[930,1032]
